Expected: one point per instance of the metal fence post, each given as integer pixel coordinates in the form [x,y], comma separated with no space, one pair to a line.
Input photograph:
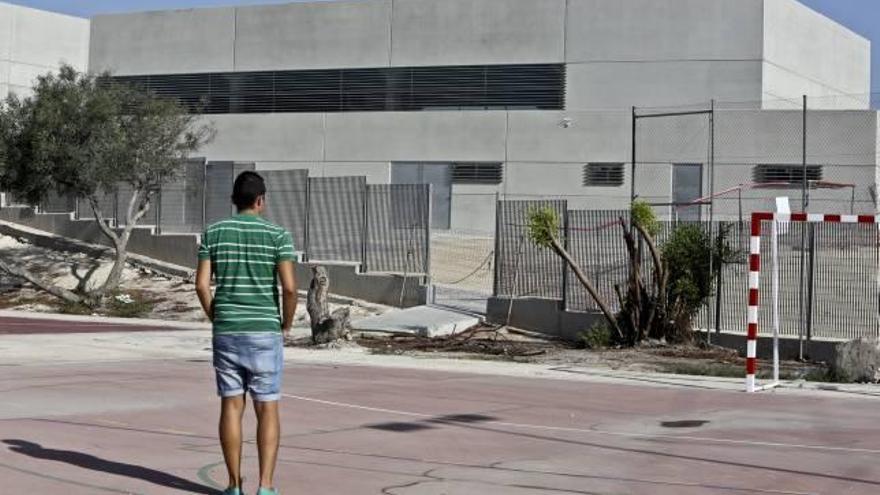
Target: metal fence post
[204,195]
[805,202]
[565,243]
[159,211]
[306,246]
[719,282]
[497,273]
[810,284]
[365,234]
[428,219]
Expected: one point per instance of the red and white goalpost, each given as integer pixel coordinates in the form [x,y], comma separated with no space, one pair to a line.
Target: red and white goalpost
[755,282]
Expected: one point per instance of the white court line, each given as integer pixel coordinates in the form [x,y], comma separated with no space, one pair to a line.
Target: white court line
[595,431]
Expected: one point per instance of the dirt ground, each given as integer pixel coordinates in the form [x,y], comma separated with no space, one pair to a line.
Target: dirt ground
[515,345]
[170,298]
[158,296]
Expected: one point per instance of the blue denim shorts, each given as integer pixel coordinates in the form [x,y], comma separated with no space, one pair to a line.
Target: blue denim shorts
[249,363]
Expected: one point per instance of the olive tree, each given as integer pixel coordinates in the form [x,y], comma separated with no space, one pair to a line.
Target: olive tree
[83,135]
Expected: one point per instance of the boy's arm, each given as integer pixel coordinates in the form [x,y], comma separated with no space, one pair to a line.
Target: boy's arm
[284,260]
[288,295]
[203,287]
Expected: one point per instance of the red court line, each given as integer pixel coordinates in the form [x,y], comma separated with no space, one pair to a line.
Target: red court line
[28,326]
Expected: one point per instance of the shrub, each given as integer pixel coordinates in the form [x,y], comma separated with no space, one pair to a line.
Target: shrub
[644,216]
[598,337]
[129,306]
[543,226]
[72,308]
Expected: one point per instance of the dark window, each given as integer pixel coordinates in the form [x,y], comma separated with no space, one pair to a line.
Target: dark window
[603,175]
[477,173]
[515,87]
[788,174]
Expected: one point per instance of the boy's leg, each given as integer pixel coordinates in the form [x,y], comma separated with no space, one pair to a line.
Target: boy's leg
[231,412]
[268,440]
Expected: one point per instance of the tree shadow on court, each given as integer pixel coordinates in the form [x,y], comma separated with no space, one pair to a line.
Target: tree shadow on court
[87,461]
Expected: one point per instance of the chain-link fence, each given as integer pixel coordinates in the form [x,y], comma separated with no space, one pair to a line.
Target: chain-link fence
[521,268]
[336,218]
[397,228]
[839,287]
[287,201]
[181,203]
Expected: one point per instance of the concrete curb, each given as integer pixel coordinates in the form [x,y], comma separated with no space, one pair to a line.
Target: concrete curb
[171,325]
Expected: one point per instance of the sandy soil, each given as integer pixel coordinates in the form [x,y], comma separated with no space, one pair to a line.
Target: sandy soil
[489,343]
[169,298]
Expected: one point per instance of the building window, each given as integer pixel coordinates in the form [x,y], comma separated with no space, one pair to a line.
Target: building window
[481,87]
[603,175]
[786,174]
[477,173]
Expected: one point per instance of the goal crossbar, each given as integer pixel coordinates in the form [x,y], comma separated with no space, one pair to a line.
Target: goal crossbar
[755,280]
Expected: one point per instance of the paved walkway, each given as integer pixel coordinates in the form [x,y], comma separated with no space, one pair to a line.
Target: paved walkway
[134,413]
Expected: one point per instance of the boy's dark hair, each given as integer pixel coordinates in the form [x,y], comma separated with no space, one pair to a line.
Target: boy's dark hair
[248,187]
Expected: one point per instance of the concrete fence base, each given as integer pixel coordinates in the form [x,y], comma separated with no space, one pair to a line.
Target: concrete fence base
[545,316]
[549,317]
[181,250]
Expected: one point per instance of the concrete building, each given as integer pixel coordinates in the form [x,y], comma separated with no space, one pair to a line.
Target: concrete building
[34,42]
[520,98]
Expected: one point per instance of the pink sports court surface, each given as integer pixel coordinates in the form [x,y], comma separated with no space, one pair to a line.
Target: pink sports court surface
[147,426]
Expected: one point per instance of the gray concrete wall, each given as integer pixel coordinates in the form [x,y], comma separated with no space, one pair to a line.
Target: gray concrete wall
[463,32]
[789,348]
[355,33]
[182,250]
[657,30]
[376,288]
[544,159]
[289,137]
[806,53]
[165,42]
[409,136]
[34,42]
[662,83]
[619,53]
[541,315]
[662,52]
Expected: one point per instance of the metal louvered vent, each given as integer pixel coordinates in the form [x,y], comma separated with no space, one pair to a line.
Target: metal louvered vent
[603,175]
[477,173]
[489,87]
[793,174]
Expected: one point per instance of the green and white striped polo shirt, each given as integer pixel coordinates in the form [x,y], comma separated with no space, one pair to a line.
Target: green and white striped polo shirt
[244,251]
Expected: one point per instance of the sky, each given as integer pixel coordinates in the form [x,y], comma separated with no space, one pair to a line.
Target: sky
[862,16]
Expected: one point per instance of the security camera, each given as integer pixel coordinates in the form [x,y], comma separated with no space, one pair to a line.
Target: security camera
[566,123]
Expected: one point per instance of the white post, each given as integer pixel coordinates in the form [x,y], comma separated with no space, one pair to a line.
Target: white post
[774,247]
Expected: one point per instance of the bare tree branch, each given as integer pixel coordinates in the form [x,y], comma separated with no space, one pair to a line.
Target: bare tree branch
[83,280]
[58,292]
[102,222]
[582,278]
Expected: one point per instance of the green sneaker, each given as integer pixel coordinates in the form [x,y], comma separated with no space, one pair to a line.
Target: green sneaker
[267,491]
[232,491]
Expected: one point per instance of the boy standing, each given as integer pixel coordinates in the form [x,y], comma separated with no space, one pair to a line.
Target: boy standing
[247,255]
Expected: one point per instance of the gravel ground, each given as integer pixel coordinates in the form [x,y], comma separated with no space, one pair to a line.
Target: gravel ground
[165,297]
